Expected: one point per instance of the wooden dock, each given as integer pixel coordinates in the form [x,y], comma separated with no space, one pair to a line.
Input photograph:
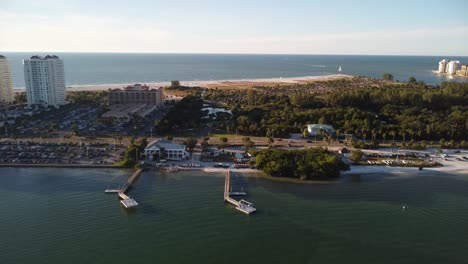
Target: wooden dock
[242,205]
[127,201]
[131,180]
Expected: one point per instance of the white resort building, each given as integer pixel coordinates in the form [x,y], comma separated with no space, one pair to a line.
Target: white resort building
[314,129]
[452,67]
[443,66]
[165,149]
[45,80]
[6,84]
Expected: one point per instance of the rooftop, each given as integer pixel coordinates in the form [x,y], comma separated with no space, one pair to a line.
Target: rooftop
[320,126]
[166,144]
[37,57]
[136,87]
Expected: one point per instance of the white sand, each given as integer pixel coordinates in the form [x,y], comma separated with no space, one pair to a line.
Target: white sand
[101,87]
[450,165]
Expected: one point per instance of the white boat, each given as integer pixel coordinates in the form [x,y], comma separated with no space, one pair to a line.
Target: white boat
[339,69]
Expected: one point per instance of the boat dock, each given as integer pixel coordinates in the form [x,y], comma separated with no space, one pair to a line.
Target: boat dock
[242,205]
[127,201]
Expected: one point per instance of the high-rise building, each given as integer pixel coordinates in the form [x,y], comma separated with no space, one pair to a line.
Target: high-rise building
[463,72]
[45,80]
[6,84]
[452,67]
[443,66]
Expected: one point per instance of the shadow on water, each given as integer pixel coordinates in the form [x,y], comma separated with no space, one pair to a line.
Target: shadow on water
[418,190]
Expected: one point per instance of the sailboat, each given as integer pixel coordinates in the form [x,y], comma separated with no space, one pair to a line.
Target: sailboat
[339,69]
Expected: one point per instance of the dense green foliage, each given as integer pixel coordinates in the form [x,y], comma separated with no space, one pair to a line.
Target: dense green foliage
[20,98]
[133,153]
[356,155]
[371,110]
[313,163]
[185,114]
[190,143]
[387,77]
[176,87]
[88,98]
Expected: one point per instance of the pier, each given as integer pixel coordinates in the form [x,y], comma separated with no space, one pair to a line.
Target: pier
[242,205]
[127,201]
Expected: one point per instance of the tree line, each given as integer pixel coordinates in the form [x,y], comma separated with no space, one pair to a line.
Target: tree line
[306,164]
[383,111]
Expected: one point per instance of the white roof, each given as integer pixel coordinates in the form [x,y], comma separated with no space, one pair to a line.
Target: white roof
[166,144]
[320,126]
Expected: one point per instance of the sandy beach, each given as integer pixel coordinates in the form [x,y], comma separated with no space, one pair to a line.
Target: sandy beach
[450,165]
[243,83]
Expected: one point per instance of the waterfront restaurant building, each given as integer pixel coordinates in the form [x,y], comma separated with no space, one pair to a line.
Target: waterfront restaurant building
[314,129]
[165,149]
[136,94]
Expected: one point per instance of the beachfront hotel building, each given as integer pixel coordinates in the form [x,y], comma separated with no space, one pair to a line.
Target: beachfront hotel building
[452,67]
[463,72]
[45,80]
[443,66]
[6,84]
[136,94]
[165,149]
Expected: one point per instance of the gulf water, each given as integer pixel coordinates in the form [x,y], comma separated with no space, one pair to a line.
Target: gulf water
[64,216]
[113,68]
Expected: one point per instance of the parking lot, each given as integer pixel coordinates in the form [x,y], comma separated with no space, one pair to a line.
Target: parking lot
[33,153]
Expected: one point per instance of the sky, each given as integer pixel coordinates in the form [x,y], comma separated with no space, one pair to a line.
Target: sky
[410,27]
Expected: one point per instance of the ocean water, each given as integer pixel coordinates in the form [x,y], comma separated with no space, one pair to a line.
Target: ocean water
[63,216]
[110,68]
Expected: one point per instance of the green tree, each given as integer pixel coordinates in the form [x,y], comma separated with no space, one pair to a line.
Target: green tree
[356,155]
[175,84]
[190,143]
[271,141]
[387,76]
[74,128]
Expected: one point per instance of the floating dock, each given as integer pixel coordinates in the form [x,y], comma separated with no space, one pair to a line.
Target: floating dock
[242,205]
[127,201]
[112,190]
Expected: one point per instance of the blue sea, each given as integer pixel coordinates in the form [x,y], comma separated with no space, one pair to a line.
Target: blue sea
[113,68]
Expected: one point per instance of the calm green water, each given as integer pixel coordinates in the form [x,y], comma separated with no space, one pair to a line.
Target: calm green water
[63,216]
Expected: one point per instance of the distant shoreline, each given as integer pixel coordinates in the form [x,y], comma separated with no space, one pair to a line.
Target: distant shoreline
[207,83]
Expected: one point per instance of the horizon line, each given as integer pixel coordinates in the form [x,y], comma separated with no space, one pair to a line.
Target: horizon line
[237,53]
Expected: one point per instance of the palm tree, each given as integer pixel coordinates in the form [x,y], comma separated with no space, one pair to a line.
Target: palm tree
[393,134]
[410,132]
[403,135]
[338,132]
[374,134]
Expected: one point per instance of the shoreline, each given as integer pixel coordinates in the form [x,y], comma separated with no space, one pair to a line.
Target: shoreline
[205,83]
[453,169]
[57,165]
